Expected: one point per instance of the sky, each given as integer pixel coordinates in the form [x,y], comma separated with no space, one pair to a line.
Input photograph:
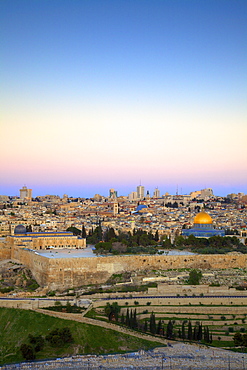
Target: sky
[100,94]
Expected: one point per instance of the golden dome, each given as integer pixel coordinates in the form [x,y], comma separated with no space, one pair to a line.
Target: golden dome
[203,218]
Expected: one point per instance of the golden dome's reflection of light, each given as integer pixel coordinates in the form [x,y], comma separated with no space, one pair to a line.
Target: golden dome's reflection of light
[203,218]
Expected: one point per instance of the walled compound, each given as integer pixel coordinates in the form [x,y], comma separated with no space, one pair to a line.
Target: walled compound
[64,273]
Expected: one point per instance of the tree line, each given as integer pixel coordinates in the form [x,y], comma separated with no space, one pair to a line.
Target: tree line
[188,331]
[142,241]
[213,245]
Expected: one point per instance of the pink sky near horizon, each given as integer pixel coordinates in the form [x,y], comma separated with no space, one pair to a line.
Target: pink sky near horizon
[92,98]
[113,147]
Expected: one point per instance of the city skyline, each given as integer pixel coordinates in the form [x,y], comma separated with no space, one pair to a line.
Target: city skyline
[132,193]
[101,94]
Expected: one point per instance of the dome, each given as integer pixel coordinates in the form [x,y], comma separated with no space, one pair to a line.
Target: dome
[20,229]
[203,218]
[141,206]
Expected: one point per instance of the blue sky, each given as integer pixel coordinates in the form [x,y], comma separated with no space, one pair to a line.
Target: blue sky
[100,94]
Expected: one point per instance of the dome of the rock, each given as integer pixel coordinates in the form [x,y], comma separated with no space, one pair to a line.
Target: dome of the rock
[203,227]
[203,218]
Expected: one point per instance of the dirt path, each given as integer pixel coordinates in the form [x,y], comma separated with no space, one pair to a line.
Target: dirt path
[103,324]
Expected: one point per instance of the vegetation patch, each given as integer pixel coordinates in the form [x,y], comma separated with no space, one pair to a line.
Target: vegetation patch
[58,307]
[17,325]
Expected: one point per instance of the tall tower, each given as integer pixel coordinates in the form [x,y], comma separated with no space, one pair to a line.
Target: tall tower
[156,193]
[112,193]
[115,208]
[140,191]
[25,193]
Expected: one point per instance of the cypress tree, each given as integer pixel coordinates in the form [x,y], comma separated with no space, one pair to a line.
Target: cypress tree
[145,326]
[183,335]
[195,333]
[100,233]
[200,332]
[152,323]
[134,320]
[190,336]
[122,318]
[127,321]
[169,330]
[156,237]
[159,328]
[83,232]
[206,334]
[131,319]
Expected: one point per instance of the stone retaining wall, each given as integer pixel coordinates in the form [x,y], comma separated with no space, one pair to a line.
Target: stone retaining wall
[64,273]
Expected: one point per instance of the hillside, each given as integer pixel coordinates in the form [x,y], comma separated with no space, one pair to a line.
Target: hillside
[16,325]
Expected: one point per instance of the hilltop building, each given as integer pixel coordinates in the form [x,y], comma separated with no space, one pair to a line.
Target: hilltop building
[203,227]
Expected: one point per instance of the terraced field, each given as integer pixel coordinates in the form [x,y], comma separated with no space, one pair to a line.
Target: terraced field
[223,316]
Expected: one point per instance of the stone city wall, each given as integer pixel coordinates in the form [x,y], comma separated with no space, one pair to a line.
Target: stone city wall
[64,273]
[5,251]
[39,265]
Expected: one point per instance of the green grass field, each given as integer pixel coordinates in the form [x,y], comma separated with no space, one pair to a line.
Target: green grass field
[16,325]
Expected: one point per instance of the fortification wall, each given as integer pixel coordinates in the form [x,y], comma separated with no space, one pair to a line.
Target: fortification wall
[39,265]
[64,273]
[5,251]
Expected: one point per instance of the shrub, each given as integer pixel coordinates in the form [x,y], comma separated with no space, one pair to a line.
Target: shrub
[7,289]
[27,351]
[58,337]
[194,277]
[51,293]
